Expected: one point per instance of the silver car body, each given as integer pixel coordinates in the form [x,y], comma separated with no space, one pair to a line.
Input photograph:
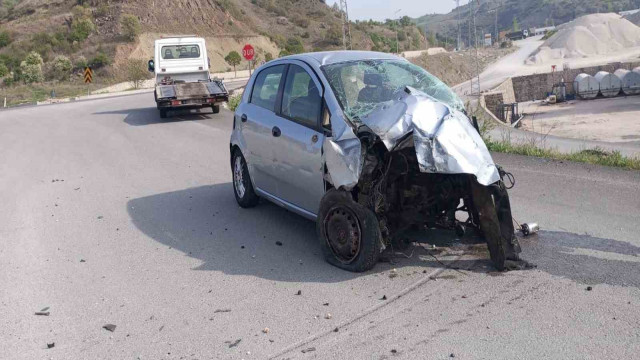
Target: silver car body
[293,169]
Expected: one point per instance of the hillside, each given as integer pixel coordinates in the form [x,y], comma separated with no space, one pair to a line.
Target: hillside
[523,13]
[90,31]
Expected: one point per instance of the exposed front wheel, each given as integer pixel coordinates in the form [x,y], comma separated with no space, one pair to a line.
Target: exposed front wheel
[348,232]
[242,186]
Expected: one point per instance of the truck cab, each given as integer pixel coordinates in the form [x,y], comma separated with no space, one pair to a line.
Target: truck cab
[181,68]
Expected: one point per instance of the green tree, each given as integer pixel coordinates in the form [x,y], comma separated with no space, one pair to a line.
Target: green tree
[516,26]
[233,59]
[405,21]
[81,29]
[5,39]
[130,26]
[100,60]
[268,57]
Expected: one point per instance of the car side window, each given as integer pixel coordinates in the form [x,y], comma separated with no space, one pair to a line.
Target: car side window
[301,99]
[265,89]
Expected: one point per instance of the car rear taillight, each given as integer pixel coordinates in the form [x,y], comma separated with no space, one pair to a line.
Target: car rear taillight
[176,102]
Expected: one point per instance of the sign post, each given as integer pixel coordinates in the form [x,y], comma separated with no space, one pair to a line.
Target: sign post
[248,52]
[88,77]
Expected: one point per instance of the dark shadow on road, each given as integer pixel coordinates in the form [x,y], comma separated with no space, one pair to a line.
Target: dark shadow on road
[150,116]
[207,224]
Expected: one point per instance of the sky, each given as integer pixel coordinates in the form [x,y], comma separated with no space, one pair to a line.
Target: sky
[384,9]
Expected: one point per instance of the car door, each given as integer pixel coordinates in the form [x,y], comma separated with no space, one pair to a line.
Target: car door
[258,117]
[299,138]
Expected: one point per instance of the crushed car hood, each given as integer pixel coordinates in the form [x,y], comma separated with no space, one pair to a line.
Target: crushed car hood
[444,139]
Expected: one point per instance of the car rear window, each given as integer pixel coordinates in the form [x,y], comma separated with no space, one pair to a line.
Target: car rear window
[180,52]
[265,89]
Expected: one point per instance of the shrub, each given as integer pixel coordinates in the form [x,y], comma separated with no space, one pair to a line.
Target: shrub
[33,59]
[130,26]
[5,39]
[8,81]
[268,57]
[4,70]
[31,73]
[137,72]
[234,101]
[61,67]
[100,60]
[294,46]
[81,29]
[334,35]
[81,62]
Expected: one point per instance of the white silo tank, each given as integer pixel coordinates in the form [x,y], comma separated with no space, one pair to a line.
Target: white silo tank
[586,86]
[610,84]
[630,81]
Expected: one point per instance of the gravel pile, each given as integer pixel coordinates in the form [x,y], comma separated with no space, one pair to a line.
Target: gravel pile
[587,36]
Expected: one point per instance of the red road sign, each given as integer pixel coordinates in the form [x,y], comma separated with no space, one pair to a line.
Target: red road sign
[248,52]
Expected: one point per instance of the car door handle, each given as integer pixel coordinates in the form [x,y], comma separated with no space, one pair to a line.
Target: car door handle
[243,118]
[276,131]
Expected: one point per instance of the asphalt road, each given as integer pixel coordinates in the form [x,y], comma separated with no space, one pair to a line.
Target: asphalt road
[113,216]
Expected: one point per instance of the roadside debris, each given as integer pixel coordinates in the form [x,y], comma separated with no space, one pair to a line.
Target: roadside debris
[100,217]
[529,228]
[325,304]
[83,260]
[50,345]
[109,327]
[589,288]
[299,292]
[304,351]
[335,330]
[279,243]
[222,311]
[265,330]
[393,273]
[235,343]
[328,316]
[42,313]
[384,297]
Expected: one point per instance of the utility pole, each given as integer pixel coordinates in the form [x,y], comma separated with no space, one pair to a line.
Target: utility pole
[458,21]
[346,26]
[475,80]
[397,28]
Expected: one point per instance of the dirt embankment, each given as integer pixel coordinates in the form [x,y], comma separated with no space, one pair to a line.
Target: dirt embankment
[456,68]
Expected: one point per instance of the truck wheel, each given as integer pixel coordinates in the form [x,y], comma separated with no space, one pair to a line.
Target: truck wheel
[163,113]
[496,224]
[215,108]
[242,186]
[348,232]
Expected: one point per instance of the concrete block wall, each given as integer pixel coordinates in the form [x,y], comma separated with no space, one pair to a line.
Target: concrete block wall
[536,86]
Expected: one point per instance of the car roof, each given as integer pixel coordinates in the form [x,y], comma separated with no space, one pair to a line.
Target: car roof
[335,57]
[178,40]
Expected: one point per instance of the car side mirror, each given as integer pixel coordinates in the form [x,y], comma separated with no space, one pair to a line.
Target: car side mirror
[152,66]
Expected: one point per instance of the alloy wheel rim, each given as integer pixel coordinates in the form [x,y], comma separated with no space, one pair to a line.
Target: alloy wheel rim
[238,178]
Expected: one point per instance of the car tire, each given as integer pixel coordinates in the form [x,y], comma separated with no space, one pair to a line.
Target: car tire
[242,186]
[215,108]
[163,113]
[348,232]
[496,224]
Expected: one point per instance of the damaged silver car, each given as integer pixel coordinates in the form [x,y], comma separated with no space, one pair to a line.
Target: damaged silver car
[370,147]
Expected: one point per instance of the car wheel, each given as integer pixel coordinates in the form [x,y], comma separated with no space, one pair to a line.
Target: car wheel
[163,113]
[242,186]
[215,108]
[496,224]
[348,232]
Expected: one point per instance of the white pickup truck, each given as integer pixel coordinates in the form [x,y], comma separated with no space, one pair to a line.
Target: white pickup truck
[183,81]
